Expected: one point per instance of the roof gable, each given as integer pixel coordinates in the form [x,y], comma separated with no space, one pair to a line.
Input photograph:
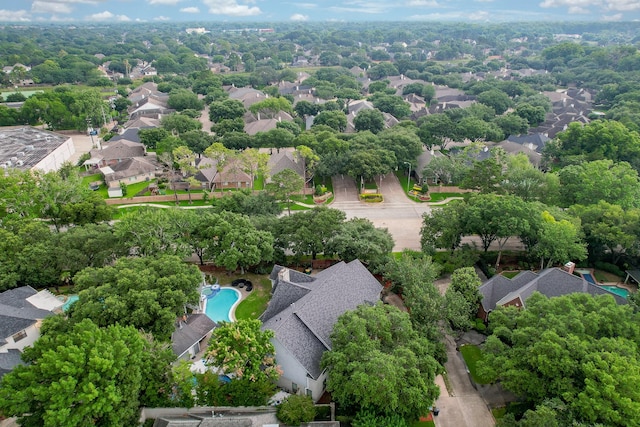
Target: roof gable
[307,322]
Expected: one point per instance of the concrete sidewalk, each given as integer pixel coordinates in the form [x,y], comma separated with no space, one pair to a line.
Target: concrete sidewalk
[465,407]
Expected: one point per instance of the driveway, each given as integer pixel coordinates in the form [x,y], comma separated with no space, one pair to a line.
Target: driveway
[398,214]
[465,407]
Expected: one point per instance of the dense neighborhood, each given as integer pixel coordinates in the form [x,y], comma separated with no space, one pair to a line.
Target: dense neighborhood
[323,225]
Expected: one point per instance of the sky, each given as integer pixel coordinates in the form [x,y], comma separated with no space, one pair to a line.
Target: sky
[478,11]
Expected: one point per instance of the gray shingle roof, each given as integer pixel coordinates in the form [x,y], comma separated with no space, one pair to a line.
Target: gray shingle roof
[9,360]
[285,159]
[552,282]
[196,327]
[305,325]
[16,313]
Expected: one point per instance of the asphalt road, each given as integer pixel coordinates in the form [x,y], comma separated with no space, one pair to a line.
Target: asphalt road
[398,214]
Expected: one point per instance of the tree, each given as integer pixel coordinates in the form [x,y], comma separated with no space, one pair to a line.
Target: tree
[184,99]
[271,106]
[82,376]
[495,218]
[234,242]
[146,293]
[244,350]
[378,362]
[334,119]
[437,129]
[464,288]
[151,136]
[403,141]
[367,164]
[153,232]
[371,120]
[286,183]
[296,409]
[221,155]
[179,123]
[254,163]
[591,182]
[578,350]
[359,239]
[442,229]
[610,230]
[559,241]
[392,104]
[495,99]
[512,124]
[226,109]
[308,232]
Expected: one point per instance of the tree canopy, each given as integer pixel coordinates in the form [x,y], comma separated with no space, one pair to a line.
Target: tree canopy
[578,350]
[378,362]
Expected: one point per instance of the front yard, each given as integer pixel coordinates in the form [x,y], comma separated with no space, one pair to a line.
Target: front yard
[471,355]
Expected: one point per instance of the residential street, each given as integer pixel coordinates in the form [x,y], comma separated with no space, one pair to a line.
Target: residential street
[402,217]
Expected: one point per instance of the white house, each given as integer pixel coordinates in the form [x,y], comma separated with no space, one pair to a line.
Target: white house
[302,312]
[21,313]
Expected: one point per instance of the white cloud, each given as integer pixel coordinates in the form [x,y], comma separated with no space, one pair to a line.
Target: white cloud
[108,16]
[231,8]
[479,15]
[166,2]
[362,6]
[577,10]
[192,9]
[577,5]
[422,3]
[305,5]
[612,18]
[50,7]
[162,18]
[299,17]
[14,15]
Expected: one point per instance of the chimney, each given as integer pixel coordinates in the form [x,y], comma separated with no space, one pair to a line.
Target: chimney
[283,274]
[569,267]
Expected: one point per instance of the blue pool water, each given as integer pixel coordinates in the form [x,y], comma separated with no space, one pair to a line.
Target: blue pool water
[218,306]
[69,301]
[616,290]
[589,278]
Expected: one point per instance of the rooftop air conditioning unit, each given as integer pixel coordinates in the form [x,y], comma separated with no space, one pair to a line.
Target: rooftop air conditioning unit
[8,163]
[19,163]
[14,159]
[29,148]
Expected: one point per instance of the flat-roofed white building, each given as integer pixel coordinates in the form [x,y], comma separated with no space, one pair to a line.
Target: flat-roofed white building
[28,148]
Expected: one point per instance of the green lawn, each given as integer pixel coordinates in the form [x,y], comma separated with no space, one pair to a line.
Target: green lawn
[471,355]
[510,274]
[256,302]
[423,424]
[307,199]
[258,183]
[438,197]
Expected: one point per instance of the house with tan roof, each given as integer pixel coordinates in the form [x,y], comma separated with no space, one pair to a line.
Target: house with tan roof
[302,312]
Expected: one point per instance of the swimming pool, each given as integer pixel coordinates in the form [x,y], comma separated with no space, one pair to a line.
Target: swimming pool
[616,290]
[218,306]
[589,278]
[70,300]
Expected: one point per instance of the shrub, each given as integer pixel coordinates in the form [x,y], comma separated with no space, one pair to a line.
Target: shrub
[371,197]
[296,409]
[609,268]
[369,419]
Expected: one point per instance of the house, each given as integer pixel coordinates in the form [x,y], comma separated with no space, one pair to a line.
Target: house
[114,152]
[551,282]
[189,335]
[531,145]
[130,171]
[247,95]
[302,312]
[285,158]
[232,176]
[21,313]
[259,123]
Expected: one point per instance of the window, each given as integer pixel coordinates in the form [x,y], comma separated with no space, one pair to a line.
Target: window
[19,336]
[308,390]
[294,388]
